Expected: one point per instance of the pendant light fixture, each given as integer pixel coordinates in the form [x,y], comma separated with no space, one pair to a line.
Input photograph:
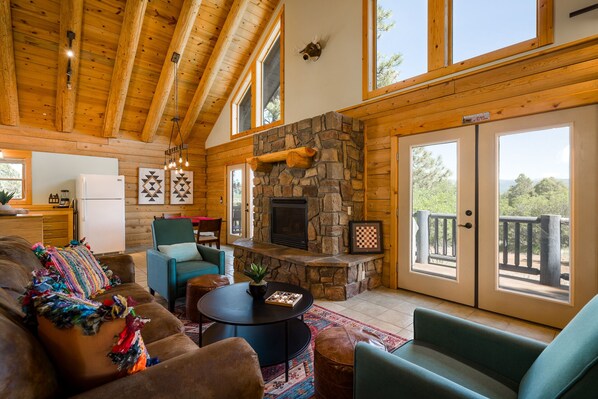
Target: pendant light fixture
[176,151]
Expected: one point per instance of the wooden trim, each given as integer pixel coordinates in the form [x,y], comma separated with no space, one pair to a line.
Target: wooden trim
[394,216]
[367,43]
[210,73]
[545,36]
[71,19]
[370,109]
[9,98]
[252,77]
[545,22]
[178,42]
[25,157]
[436,34]
[123,66]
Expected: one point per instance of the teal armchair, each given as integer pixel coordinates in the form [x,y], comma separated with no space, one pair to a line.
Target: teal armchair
[454,358]
[167,276]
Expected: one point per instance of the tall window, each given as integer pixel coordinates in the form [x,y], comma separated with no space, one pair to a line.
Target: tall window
[409,42]
[259,101]
[15,175]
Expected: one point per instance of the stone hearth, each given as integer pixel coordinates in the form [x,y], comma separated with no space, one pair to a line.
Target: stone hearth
[336,277]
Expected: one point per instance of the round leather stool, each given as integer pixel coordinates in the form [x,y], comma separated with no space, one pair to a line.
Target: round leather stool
[334,358]
[198,287]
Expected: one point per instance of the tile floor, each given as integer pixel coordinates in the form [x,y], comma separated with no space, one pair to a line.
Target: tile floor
[392,310]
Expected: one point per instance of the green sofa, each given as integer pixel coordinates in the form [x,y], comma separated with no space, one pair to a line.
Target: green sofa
[454,358]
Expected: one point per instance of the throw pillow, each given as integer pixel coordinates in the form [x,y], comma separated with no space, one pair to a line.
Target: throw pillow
[82,273]
[182,252]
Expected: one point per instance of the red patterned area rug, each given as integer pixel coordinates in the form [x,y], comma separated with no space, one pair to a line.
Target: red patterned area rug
[301,373]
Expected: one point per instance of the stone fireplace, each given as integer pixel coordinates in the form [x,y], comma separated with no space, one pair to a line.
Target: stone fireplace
[333,185]
[302,214]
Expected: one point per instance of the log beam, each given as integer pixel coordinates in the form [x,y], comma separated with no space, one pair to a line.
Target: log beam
[233,20]
[295,158]
[9,100]
[123,66]
[182,31]
[71,19]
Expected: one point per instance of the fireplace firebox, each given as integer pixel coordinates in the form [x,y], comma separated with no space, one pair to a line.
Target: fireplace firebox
[289,222]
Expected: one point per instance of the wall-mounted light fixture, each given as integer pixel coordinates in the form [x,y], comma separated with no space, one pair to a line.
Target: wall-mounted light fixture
[173,150]
[312,51]
[70,35]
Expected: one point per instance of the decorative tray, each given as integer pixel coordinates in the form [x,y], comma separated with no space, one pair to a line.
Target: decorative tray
[283,298]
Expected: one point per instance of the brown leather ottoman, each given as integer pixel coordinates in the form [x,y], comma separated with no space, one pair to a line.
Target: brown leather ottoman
[198,287]
[333,360]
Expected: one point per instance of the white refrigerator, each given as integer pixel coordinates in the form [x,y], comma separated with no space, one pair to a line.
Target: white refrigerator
[101,212]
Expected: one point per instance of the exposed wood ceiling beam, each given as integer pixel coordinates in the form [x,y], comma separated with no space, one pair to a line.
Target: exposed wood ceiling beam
[123,66]
[9,100]
[182,31]
[71,17]
[233,20]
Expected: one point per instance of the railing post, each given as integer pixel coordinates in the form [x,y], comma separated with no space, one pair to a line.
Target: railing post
[422,240]
[550,250]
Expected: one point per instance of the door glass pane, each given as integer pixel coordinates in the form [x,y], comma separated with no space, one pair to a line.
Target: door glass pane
[245,111]
[534,213]
[271,85]
[434,209]
[482,26]
[236,201]
[401,40]
[250,202]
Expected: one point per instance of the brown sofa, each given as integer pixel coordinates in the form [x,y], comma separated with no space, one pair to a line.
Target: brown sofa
[226,369]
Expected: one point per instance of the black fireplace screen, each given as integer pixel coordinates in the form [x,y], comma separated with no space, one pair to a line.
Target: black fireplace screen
[289,222]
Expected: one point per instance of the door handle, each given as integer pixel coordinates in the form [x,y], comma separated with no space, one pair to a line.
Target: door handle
[466,225]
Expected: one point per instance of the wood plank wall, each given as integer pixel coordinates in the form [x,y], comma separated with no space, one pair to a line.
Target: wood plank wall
[217,159]
[558,78]
[131,155]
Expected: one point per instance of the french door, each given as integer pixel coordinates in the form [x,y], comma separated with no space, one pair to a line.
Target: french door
[503,216]
[239,202]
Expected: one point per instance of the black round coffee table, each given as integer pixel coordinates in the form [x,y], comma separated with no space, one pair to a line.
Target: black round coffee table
[276,333]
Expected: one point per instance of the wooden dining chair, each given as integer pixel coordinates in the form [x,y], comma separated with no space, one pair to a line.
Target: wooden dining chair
[209,226]
[171,215]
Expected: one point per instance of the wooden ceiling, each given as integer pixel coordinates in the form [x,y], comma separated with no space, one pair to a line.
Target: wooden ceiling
[122,75]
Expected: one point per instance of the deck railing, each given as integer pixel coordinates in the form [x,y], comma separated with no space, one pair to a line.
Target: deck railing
[537,238]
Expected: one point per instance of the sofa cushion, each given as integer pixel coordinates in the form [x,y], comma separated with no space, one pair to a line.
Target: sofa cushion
[454,370]
[26,370]
[171,346]
[132,290]
[182,252]
[13,276]
[162,323]
[19,251]
[194,268]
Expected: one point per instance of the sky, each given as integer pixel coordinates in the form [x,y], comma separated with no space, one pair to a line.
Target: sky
[479,26]
[537,154]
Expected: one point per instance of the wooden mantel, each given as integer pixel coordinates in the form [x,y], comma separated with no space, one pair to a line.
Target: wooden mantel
[295,158]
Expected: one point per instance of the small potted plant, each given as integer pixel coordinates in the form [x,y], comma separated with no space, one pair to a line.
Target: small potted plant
[257,286]
[5,196]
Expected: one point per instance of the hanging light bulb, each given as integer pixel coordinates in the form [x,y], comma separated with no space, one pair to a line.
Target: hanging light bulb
[180,158]
[187,163]
[175,132]
[165,167]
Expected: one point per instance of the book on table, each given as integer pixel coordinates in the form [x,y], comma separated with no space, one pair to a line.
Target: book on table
[284,298]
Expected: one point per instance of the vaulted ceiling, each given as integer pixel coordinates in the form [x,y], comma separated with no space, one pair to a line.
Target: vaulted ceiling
[122,76]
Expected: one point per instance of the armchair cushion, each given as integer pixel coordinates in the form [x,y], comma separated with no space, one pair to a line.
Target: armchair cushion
[188,270]
[182,252]
[455,370]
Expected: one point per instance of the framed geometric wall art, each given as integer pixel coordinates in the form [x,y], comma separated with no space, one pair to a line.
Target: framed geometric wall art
[366,237]
[151,186]
[181,187]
